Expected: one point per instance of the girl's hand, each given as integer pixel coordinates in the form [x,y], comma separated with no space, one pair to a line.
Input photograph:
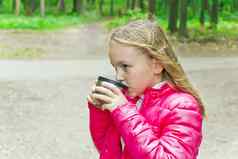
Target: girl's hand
[110,95]
[91,99]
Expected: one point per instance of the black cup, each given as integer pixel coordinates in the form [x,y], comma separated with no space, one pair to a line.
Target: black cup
[114,82]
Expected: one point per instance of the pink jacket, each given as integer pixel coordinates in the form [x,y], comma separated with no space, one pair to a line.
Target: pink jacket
[168,125]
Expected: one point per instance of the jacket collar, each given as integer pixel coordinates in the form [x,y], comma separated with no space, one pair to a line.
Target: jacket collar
[157,91]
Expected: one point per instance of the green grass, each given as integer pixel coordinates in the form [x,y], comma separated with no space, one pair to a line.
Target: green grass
[226,29]
[49,22]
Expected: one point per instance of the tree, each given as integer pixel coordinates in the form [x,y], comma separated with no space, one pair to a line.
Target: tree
[112,8]
[183,18]
[152,5]
[164,4]
[33,5]
[27,5]
[61,5]
[42,8]
[142,5]
[77,6]
[173,16]
[204,7]
[0,3]
[235,5]
[133,4]
[194,6]
[128,2]
[13,5]
[214,13]
[101,3]
[17,7]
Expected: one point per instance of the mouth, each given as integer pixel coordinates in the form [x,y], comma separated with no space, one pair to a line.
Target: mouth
[124,84]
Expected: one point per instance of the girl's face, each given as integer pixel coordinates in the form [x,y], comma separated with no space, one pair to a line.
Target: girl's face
[137,70]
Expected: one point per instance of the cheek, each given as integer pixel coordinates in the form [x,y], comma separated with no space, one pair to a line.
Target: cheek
[136,80]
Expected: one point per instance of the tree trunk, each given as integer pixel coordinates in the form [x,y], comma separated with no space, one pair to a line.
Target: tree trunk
[0,5]
[13,5]
[173,16]
[27,6]
[61,5]
[128,2]
[17,5]
[78,6]
[133,4]
[42,8]
[183,18]
[112,8]
[33,5]
[214,13]
[202,14]
[101,3]
[235,5]
[194,7]
[142,5]
[152,5]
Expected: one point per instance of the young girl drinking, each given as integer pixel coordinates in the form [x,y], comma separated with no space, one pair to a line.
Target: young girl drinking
[159,115]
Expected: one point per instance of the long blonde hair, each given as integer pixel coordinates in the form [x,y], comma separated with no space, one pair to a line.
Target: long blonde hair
[150,37]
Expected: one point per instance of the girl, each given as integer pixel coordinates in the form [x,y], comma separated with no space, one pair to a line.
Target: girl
[159,115]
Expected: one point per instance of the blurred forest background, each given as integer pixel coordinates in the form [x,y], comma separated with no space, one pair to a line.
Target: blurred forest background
[194,19]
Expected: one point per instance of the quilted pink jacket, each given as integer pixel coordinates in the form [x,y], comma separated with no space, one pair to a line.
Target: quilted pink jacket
[168,125]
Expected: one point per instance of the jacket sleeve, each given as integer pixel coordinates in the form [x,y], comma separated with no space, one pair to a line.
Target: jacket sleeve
[103,132]
[179,136]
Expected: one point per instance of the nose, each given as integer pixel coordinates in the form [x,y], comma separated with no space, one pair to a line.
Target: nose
[119,76]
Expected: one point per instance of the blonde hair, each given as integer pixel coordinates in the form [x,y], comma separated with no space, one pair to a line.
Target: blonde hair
[150,37]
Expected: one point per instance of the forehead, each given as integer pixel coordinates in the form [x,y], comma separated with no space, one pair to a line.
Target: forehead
[123,53]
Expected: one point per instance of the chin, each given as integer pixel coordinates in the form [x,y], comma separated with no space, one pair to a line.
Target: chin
[133,94]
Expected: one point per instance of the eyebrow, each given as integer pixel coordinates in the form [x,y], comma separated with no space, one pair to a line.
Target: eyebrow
[120,62]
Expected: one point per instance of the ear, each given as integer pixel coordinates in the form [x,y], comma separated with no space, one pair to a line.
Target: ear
[157,67]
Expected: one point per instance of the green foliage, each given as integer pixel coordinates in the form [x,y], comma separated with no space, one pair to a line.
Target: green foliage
[227,26]
[9,21]
[6,6]
[224,30]
[129,16]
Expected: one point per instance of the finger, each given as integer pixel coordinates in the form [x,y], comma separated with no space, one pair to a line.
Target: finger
[93,88]
[102,97]
[103,90]
[112,87]
[89,98]
[103,107]
[94,102]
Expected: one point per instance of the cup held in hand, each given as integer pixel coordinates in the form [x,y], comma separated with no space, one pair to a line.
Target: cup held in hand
[119,84]
[101,79]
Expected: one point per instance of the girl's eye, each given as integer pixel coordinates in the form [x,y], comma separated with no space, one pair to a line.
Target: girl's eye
[124,67]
